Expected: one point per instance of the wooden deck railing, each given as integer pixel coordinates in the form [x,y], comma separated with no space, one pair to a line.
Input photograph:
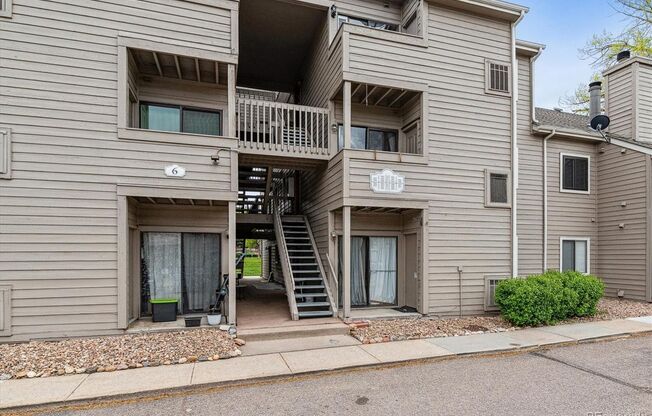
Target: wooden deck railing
[268,125]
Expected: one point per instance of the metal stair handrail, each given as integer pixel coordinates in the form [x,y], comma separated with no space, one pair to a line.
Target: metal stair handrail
[336,293]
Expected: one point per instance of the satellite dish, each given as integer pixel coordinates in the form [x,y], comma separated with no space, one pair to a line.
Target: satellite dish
[600,122]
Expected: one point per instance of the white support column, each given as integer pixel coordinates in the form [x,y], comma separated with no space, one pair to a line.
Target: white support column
[123,262]
[231,260]
[346,263]
[347,114]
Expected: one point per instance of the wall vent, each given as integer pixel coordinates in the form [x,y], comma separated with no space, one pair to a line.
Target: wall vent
[490,284]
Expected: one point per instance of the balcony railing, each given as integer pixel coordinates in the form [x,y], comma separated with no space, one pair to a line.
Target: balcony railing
[287,128]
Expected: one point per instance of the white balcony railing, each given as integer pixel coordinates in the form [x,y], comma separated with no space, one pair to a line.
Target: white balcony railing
[268,125]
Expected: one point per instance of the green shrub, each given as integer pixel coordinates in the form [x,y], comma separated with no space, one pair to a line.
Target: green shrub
[548,298]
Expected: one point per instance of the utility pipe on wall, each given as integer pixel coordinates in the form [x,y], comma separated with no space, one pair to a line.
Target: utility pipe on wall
[545,198]
[515,147]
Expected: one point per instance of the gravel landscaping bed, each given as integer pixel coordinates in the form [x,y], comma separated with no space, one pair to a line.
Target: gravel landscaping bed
[375,331]
[111,353]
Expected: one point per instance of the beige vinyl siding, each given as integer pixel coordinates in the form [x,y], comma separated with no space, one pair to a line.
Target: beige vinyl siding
[58,213]
[571,214]
[644,104]
[322,192]
[622,200]
[620,100]
[323,69]
[530,180]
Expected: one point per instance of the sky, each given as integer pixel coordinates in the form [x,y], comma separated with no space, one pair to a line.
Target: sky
[564,26]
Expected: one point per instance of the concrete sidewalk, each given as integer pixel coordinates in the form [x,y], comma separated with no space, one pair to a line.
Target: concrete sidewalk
[26,392]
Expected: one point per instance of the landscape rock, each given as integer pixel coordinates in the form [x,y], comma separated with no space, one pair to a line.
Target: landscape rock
[31,374]
[239,342]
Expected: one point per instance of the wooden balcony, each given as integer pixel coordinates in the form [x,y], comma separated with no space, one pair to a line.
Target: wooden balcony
[279,129]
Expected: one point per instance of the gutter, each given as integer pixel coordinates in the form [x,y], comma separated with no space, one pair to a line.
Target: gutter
[515,147]
[545,199]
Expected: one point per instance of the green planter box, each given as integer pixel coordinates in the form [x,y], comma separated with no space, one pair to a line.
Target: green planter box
[164,310]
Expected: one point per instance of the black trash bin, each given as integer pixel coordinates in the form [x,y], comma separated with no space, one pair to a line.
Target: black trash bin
[164,310]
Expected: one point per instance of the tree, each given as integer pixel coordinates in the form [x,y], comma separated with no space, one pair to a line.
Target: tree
[603,48]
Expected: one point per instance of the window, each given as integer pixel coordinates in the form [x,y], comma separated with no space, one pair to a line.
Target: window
[498,80]
[5,8]
[370,138]
[175,118]
[575,254]
[497,188]
[374,271]
[575,173]
[374,24]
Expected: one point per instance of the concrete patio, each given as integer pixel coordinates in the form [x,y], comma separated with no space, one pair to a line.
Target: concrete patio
[328,353]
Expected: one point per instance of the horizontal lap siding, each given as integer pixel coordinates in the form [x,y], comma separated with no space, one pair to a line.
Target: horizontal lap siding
[571,214]
[530,186]
[323,69]
[619,101]
[469,132]
[58,213]
[644,105]
[322,191]
[622,251]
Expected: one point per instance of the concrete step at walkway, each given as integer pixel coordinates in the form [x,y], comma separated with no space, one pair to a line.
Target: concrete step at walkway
[297,344]
[294,331]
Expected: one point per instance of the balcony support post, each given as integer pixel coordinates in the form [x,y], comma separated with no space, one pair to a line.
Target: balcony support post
[346,263]
[231,131]
[347,114]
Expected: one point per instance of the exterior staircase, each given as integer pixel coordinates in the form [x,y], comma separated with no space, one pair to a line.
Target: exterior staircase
[311,293]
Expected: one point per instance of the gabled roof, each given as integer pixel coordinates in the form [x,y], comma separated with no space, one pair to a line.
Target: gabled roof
[562,120]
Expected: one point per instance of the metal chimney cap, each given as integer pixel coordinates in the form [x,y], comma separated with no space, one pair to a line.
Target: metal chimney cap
[622,55]
[595,84]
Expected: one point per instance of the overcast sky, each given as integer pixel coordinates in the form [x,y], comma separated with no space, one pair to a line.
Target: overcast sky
[564,26]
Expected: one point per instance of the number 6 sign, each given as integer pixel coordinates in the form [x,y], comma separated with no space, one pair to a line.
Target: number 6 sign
[175,171]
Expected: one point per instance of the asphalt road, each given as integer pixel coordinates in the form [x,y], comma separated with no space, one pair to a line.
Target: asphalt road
[605,378]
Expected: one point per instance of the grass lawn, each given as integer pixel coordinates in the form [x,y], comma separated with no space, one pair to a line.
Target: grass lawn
[251,266]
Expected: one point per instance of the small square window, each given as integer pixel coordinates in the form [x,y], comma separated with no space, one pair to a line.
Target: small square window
[575,172]
[498,78]
[575,255]
[497,189]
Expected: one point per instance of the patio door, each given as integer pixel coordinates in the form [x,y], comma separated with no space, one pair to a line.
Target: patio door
[374,272]
[182,266]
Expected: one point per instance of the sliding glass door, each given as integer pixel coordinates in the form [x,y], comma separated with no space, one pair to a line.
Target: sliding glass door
[182,266]
[373,271]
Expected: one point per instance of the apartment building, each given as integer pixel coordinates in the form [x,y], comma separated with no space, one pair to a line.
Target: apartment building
[389,148]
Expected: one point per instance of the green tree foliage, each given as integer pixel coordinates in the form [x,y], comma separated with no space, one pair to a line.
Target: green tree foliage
[603,48]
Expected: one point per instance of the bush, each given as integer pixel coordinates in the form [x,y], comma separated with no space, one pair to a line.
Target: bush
[548,298]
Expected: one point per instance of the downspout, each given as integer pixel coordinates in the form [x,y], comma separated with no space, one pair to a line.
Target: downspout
[545,199]
[515,147]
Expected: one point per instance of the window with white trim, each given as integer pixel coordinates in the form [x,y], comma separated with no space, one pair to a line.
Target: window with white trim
[5,8]
[498,77]
[575,173]
[575,253]
[497,188]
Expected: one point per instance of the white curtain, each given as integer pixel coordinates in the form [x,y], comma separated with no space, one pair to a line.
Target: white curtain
[162,254]
[580,256]
[382,270]
[201,269]
[358,271]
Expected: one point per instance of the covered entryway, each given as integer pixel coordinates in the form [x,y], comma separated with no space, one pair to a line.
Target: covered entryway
[176,249]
